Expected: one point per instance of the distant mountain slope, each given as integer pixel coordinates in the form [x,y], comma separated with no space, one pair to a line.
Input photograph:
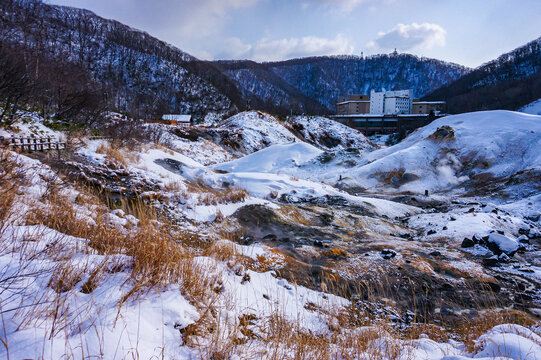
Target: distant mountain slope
[263,89]
[509,82]
[142,74]
[324,79]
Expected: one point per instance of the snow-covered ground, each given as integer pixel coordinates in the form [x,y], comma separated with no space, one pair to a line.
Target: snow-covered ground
[329,134]
[274,159]
[279,172]
[499,143]
[203,151]
[533,108]
[256,130]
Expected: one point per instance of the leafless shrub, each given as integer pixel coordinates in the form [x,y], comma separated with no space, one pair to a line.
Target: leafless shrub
[118,156]
[210,196]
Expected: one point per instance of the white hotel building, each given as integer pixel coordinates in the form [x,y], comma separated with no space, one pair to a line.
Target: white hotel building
[391,102]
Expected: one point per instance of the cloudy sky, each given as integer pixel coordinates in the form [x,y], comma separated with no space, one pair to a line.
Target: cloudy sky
[469,32]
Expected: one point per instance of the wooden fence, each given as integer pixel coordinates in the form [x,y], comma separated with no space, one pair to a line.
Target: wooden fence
[29,144]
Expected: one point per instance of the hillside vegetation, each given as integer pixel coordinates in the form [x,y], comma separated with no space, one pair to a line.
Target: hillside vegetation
[510,82]
[74,50]
[325,79]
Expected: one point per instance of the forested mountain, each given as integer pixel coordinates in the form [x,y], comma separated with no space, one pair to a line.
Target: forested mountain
[133,71]
[324,79]
[264,89]
[73,63]
[509,82]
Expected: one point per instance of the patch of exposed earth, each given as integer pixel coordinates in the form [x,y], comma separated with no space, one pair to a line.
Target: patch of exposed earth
[412,262]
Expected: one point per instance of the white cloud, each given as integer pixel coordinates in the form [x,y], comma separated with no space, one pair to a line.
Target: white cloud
[235,49]
[412,36]
[274,50]
[170,20]
[205,17]
[345,6]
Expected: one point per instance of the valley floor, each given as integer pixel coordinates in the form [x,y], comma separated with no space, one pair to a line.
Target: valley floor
[263,239]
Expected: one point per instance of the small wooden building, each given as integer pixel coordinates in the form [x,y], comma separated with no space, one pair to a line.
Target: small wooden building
[172,119]
[178,119]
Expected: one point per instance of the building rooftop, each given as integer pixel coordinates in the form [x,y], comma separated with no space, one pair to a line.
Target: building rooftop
[429,102]
[177,117]
[353,101]
[379,115]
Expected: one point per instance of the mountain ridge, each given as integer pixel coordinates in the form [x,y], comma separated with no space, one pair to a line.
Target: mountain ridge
[509,82]
[326,78]
[140,73]
[145,76]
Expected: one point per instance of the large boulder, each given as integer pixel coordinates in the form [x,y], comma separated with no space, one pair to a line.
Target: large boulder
[499,243]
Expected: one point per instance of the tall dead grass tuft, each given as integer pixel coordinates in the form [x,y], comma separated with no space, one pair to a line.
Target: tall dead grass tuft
[159,254]
[210,196]
[12,177]
[117,155]
[59,214]
[469,330]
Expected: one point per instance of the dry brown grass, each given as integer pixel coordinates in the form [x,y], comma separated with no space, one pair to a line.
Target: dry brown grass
[58,213]
[12,177]
[295,215]
[276,337]
[209,196]
[158,252]
[64,277]
[173,187]
[162,147]
[469,330]
[118,157]
[336,252]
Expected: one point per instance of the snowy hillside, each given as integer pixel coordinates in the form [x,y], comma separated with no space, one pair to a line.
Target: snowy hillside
[454,150]
[138,72]
[254,130]
[142,250]
[275,158]
[533,108]
[265,90]
[509,82]
[328,134]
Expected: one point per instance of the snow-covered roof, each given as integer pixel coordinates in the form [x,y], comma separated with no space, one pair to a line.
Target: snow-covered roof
[177,117]
[428,102]
[354,101]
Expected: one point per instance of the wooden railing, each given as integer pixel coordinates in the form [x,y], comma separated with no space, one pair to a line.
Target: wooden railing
[29,144]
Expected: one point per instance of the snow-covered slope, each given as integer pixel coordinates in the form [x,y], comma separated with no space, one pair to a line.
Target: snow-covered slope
[255,130]
[533,108]
[55,304]
[452,150]
[273,159]
[328,134]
